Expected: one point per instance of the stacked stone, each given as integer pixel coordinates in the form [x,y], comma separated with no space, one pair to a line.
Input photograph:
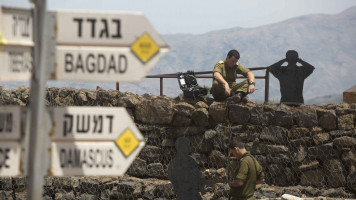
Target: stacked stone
[306,146]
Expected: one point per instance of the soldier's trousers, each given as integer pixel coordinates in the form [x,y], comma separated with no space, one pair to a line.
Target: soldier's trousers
[218,90]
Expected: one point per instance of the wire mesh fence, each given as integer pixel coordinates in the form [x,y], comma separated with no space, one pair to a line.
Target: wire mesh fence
[306,152]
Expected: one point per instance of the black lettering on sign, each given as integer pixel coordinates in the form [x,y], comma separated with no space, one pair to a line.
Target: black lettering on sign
[112,64]
[68,62]
[88,158]
[101,63]
[90,65]
[77,161]
[63,158]
[68,124]
[83,127]
[95,63]
[79,20]
[99,27]
[91,158]
[105,30]
[122,64]
[20,62]
[92,22]
[118,28]
[84,124]
[79,64]
[110,160]
[4,156]
[98,124]
[5,123]
[21,26]
[110,117]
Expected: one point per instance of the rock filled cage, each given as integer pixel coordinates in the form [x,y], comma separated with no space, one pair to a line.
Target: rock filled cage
[306,151]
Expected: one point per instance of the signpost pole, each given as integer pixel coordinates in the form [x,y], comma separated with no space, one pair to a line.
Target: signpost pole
[36,151]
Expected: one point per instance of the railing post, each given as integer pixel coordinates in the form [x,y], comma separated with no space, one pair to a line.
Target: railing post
[161,86]
[267,86]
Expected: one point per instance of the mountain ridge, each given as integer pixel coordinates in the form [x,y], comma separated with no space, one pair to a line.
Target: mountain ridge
[325,41]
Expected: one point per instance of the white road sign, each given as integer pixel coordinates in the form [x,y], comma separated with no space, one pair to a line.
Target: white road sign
[16,44]
[10,119]
[10,153]
[94,46]
[93,141]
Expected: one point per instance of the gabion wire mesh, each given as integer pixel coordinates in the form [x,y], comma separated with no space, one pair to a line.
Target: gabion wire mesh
[301,155]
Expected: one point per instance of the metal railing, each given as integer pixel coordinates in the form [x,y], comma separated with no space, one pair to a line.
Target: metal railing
[202,75]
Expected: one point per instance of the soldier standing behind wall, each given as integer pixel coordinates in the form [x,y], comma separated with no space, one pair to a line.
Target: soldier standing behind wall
[248,174]
[291,77]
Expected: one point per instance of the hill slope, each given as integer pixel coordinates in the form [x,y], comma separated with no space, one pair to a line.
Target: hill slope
[326,41]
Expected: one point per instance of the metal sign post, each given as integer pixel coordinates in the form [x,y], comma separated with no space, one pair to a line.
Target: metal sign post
[36,150]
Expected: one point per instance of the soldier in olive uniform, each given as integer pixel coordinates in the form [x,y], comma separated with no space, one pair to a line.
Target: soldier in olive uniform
[224,84]
[249,173]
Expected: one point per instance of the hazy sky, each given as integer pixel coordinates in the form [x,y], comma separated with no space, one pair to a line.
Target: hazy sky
[201,16]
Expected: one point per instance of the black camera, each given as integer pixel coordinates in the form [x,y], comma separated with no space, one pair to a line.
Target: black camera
[189,85]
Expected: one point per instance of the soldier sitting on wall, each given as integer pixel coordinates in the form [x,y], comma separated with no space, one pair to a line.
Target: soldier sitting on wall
[224,84]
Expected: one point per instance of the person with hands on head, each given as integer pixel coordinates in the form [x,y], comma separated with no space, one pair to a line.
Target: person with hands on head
[247,175]
[224,85]
[291,77]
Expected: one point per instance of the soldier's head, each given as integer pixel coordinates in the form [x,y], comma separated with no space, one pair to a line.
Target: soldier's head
[292,56]
[237,148]
[232,57]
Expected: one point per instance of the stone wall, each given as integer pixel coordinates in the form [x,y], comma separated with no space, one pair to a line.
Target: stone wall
[305,151]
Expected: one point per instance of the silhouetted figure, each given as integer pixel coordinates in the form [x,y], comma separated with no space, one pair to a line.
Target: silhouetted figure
[291,77]
[183,172]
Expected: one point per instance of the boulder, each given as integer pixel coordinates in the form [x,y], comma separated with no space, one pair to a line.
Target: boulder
[321,138]
[314,178]
[256,117]
[138,168]
[334,173]
[306,117]
[217,159]
[327,119]
[151,154]
[181,120]
[218,112]
[157,111]
[156,170]
[184,109]
[344,142]
[274,134]
[346,122]
[200,117]
[239,113]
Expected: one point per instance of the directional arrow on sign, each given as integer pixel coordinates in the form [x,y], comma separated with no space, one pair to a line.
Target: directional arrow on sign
[93,141]
[94,46]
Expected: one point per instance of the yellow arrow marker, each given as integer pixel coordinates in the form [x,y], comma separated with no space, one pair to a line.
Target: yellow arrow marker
[2,42]
[145,48]
[127,142]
